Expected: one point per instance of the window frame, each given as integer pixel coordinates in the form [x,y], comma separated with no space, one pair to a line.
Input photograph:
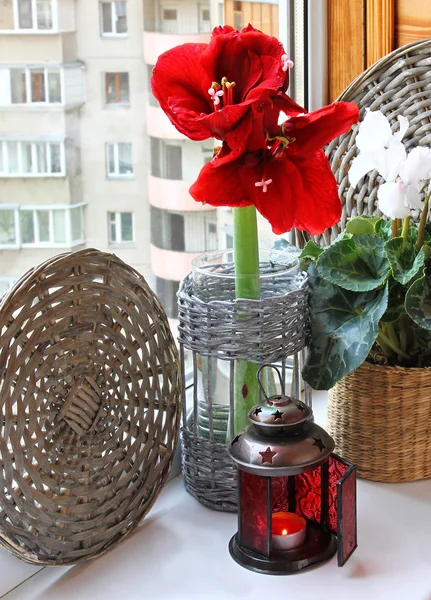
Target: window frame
[118,233]
[118,102]
[5,174]
[117,174]
[28,86]
[35,28]
[18,210]
[112,34]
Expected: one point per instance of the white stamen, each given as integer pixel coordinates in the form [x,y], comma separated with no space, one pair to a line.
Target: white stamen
[263,184]
[287,63]
[215,95]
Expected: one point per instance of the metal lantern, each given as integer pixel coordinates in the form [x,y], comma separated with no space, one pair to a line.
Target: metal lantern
[297,500]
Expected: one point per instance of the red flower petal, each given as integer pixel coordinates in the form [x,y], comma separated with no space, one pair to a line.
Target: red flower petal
[316,129]
[319,206]
[181,86]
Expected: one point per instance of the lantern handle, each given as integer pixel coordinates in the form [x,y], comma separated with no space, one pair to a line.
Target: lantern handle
[259,378]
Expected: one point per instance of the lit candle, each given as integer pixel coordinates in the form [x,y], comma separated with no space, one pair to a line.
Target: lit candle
[288,530]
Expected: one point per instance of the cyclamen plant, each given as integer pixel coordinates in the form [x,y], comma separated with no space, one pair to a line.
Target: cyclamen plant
[371,289]
[234,90]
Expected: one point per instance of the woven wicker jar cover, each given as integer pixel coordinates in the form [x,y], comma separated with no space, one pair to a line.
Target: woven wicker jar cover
[89,407]
[380,418]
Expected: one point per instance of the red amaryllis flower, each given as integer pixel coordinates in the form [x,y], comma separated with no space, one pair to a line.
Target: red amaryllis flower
[216,89]
[289,181]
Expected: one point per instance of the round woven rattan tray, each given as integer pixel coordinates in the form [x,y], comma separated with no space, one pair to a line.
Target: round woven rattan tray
[397,84]
[89,407]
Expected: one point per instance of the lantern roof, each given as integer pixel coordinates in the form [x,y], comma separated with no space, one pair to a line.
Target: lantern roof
[282,439]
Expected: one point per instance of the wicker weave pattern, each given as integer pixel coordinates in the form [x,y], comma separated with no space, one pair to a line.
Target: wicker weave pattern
[89,407]
[259,331]
[398,84]
[380,418]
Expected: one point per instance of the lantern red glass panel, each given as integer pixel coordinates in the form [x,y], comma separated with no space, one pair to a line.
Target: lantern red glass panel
[297,500]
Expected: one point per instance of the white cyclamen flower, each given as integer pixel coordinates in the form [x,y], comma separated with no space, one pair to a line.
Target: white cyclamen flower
[379,148]
[396,199]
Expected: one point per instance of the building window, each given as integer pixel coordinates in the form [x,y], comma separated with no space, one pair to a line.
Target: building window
[169,14]
[8,228]
[31,159]
[119,161]
[117,88]
[151,99]
[120,227]
[46,227]
[34,14]
[166,160]
[204,20]
[191,231]
[35,86]
[167,292]
[113,19]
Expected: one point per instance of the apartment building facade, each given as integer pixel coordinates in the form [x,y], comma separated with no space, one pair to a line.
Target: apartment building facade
[87,157]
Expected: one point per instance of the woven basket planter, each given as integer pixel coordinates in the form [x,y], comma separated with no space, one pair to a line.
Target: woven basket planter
[89,407]
[218,333]
[380,418]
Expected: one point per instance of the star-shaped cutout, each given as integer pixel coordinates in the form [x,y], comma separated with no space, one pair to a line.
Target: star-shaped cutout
[267,456]
[277,415]
[318,442]
[300,407]
[257,411]
[235,440]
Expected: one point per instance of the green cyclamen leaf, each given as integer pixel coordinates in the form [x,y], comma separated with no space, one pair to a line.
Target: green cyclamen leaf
[360,225]
[405,263]
[418,300]
[285,246]
[344,327]
[310,252]
[358,263]
[396,298]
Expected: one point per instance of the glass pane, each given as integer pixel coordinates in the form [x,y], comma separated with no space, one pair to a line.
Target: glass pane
[27,159]
[41,158]
[76,222]
[2,165]
[38,86]
[54,87]
[126,227]
[125,159]
[106,17]
[25,20]
[124,87]
[112,227]
[254,512]
[44,14]
[347,527]
[12,154]
[55,152]
[121,18]
[59,219]
[18,87]
[43,225]
[111,159]
[27,227]
[7,227]
[308,495]
[112,83]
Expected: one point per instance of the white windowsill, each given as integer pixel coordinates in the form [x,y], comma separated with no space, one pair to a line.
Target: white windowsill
[122,245]
[180,552]
[116,177]
[108,36]
[32,175]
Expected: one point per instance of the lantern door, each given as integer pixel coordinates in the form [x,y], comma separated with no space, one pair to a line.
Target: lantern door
[347,521]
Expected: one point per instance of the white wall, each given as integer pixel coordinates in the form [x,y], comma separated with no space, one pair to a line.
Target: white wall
[66,15]
[74,82]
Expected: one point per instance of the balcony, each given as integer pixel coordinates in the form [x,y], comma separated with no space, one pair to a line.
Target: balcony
[168,264]
[51,17]
[159,126]
[170,194]
[46,88]
[155,43]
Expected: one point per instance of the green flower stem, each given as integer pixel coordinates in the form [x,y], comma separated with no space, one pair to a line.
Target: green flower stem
[381,337]
[422,223]
[247,285]
[405,233]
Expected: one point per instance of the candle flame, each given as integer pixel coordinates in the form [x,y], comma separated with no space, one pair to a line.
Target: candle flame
[284,532]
